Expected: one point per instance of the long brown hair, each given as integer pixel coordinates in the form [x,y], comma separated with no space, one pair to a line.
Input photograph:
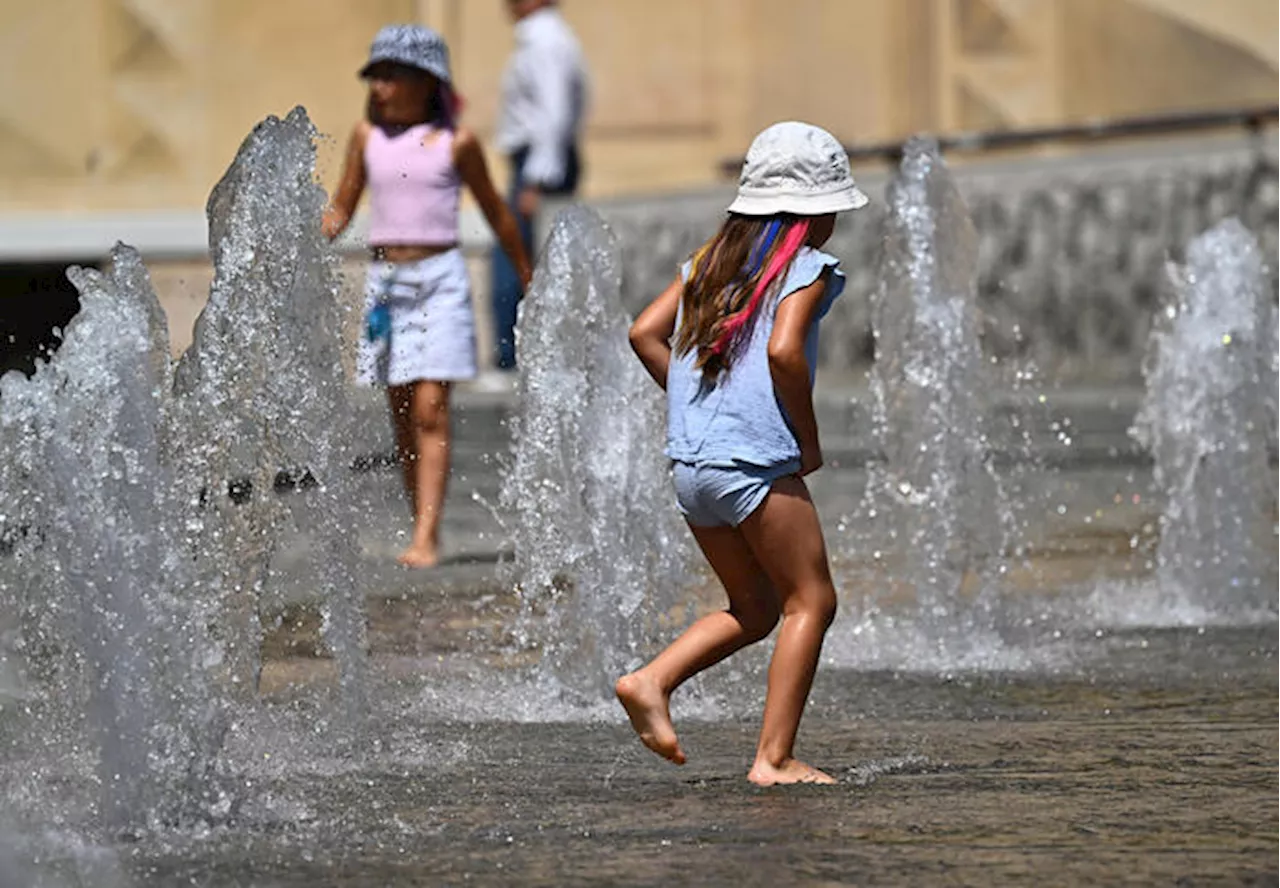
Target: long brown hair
[732,274]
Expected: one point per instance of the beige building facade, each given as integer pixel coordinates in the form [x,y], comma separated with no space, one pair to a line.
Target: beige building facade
[131,105]
[118,116]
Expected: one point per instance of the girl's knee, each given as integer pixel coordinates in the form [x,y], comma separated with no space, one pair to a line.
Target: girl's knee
[430,425]
[818,604]
[431,419]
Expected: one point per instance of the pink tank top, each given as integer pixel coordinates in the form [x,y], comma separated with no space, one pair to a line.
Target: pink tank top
[413,188]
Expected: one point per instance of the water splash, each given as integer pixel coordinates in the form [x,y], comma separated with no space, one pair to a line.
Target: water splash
[141,502]
[17,641]
[98,493]
[50,858]
[1209,418]
[12,681]
[600,554]
[263,401]
[866,773]
[938,524]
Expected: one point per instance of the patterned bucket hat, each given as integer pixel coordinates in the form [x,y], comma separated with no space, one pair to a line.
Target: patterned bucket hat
[413,45]
[799,168]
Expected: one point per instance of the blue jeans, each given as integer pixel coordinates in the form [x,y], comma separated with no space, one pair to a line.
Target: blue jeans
[504,282]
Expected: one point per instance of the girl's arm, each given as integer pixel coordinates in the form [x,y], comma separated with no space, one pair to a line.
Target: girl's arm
[469,160]
[651,333]
[342,207]
[790,368]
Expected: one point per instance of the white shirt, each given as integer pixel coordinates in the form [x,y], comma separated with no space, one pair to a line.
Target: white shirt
[544,92]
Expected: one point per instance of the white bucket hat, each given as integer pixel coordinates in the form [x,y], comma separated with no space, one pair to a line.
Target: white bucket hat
[798,168]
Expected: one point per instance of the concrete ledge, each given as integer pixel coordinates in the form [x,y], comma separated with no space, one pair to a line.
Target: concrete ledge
[158,234]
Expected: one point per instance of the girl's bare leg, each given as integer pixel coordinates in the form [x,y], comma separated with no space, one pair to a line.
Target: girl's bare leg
[752,614]
[429,421]
[399,398]
[786,539]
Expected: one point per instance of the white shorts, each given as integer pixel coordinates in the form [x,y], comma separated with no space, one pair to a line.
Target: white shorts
[427,329]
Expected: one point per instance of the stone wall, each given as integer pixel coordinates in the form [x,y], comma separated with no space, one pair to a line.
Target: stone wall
[1072,250]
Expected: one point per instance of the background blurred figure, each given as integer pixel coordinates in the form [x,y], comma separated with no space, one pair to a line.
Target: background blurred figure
[543,100]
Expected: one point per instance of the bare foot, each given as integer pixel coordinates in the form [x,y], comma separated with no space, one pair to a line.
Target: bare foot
[646,706]
[419,556]
[790,771]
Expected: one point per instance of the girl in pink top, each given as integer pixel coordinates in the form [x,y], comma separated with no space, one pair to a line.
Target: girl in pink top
[420,332]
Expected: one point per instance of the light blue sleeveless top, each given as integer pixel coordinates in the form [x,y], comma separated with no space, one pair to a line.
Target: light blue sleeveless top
[740,421]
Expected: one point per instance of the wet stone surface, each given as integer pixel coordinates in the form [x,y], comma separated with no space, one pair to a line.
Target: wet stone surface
[980,779]
[1147,755]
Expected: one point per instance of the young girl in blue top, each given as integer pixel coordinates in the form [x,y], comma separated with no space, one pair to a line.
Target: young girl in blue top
[734,342]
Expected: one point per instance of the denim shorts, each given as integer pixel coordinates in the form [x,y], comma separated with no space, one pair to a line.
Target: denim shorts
[716,496]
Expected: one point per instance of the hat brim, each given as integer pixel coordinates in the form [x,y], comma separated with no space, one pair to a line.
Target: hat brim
[849,198]
[378,59]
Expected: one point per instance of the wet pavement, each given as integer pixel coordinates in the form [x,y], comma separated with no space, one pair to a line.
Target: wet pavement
[1153,770]
[1076,726]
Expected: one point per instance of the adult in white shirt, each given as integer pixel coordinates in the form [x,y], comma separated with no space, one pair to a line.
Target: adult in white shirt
[544,92]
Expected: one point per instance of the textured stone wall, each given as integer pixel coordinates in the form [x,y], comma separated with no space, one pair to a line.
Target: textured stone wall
[1072,251]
